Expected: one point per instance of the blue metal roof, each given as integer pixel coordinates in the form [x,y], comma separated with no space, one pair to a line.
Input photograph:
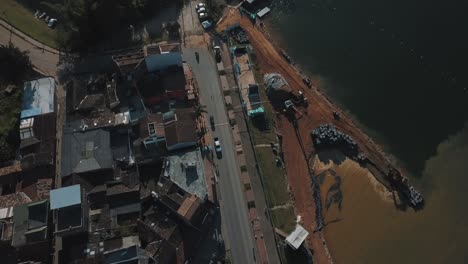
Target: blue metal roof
[38,95]
[64,197]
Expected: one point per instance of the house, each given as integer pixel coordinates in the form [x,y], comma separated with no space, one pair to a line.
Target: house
[187,170]
[180,129]
[297,237]
[38,137]
[188,207]
[176,129]
[31,231]
[38,97]
[85,152]
[171,82]
[68,209]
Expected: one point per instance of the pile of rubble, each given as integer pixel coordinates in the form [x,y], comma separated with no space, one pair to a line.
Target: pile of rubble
[240,35]
[327,135]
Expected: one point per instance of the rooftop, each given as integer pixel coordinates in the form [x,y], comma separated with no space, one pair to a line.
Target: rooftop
[38,138]
[30,223]
[85,151]
[187,171]
[183,129]
[64,197]
[124,255]
[38,97]
[14,168]
[14,199]
[152,126]
[297,237]
[128,60]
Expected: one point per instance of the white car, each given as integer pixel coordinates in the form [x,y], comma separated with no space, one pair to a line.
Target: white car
[201,10]
[202,15]
[217,145]
[199,5]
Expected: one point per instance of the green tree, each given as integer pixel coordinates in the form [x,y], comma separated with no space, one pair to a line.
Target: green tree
[15,65]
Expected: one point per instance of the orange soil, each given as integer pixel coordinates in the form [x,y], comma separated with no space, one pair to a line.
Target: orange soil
[320,111]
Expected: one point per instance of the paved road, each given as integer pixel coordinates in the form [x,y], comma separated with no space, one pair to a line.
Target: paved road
[237,228]
[42,57]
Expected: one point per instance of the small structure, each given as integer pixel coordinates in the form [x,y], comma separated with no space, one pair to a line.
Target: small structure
[37,146]
[30,232]
[297,237]
[263,12]
[277,88]
[38,97]
[67,206]
[180,128]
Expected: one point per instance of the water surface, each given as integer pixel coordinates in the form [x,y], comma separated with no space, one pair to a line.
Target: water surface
[399,68]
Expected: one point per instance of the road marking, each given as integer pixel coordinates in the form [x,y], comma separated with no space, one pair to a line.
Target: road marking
[223,124]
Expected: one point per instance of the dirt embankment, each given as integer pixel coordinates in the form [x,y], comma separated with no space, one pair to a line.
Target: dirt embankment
[319,111]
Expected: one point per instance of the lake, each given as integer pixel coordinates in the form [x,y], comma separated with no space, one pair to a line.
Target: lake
[398,67]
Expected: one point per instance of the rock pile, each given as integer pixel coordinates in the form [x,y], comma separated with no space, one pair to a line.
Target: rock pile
[328,135]
[239,35]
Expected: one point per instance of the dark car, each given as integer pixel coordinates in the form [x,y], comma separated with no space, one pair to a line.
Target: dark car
[212,122]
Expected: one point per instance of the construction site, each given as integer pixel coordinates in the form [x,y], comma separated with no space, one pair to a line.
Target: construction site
[307,122]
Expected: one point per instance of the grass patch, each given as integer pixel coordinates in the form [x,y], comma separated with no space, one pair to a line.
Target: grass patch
[273,177]
[24,20]
[284,219]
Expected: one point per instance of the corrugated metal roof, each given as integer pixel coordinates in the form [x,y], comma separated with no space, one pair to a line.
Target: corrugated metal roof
[38,97]
[6,212]
[64,197]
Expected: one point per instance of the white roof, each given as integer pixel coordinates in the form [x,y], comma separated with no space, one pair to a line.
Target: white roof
[297,236]
[6,212]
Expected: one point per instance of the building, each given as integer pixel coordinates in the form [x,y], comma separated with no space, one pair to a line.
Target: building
[176,129]
[180,129]
[186,169]
[38,97]
[38,137]
[166,84]
[68,210]
[86,152]
[31,231]
[297,237]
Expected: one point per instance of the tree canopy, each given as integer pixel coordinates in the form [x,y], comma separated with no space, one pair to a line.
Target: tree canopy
[87,22]
[15,65]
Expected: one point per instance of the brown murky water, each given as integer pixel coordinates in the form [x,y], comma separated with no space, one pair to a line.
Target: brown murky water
[370,229]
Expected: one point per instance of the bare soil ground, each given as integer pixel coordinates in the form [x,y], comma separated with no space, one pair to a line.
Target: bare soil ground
[319,111]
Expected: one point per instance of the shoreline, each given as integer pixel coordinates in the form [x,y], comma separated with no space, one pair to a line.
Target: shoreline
[269,59]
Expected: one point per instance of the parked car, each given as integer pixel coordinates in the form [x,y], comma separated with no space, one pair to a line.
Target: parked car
[217,51]
[203,16]
[52,23]
[218,148]
[201,10]
[199,5]
[212,122]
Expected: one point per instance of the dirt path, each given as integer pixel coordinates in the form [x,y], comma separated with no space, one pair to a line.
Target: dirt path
[320,111]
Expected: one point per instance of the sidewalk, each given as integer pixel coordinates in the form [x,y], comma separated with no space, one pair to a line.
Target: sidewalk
[261,226]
